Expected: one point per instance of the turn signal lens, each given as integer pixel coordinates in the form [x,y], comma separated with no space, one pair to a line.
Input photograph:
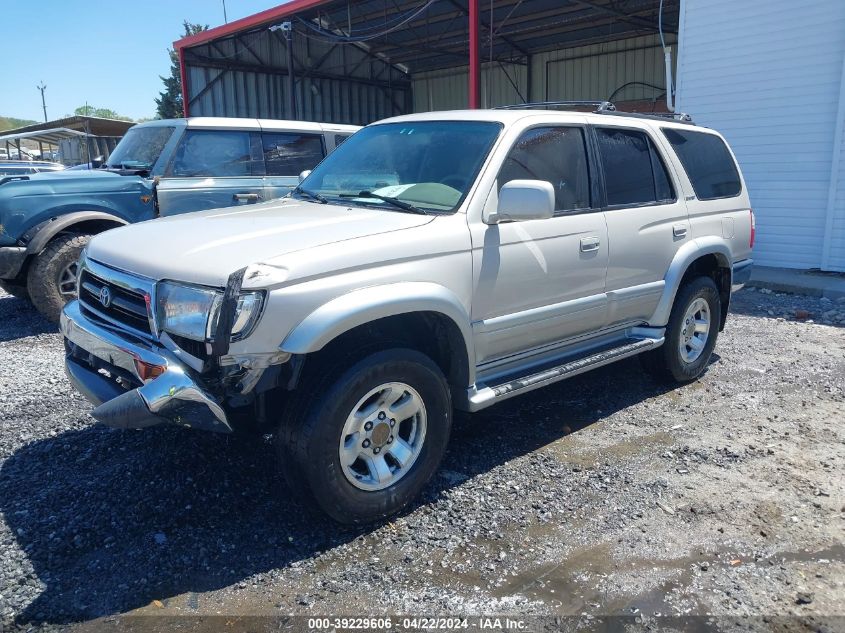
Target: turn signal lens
[753,229]
[146,371]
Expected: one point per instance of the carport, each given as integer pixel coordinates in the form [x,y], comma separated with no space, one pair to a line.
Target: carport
[93,136]
[354,62]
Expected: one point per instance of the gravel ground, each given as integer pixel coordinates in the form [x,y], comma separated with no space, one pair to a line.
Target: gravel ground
[606,494]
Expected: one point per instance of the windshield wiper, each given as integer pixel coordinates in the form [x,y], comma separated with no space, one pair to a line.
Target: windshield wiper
[310,194]
[396,202]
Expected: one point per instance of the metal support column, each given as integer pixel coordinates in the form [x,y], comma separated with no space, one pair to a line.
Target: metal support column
[474,55]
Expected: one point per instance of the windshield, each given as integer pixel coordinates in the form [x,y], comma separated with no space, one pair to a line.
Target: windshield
[427,165]
[140,148]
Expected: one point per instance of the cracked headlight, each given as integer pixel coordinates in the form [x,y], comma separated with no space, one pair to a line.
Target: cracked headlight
[193,312]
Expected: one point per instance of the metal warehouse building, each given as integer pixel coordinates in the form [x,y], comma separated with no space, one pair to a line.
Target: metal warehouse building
[769,74]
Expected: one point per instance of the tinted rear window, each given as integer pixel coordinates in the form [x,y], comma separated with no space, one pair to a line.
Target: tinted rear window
[708,163]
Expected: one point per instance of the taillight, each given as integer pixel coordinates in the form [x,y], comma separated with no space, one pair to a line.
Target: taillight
[753,229]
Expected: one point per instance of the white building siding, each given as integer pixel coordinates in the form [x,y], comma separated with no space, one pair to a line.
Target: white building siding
[767,74]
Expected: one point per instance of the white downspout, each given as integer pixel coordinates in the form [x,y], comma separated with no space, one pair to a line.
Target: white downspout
[670,84]
[667,59]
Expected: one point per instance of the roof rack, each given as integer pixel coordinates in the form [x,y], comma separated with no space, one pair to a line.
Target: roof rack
[600,106]
[681,117]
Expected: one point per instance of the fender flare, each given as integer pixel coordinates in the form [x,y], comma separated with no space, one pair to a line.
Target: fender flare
[39,235]
[365,305]
[685,256]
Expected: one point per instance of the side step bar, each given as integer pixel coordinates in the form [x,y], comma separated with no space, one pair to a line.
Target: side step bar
[479,398]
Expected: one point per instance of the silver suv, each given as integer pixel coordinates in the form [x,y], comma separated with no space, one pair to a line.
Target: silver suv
[440,260]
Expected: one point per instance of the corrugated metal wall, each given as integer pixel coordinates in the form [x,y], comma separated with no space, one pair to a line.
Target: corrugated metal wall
[768,74]
[449,89]
[584,72]
[599,70]
[247,78]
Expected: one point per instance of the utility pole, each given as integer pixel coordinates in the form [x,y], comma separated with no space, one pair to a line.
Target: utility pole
[42,88]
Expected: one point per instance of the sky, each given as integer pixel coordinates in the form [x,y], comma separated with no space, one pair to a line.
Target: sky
[108,54]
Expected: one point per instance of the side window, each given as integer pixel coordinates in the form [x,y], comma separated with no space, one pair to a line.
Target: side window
[289,153]
[633,170]
[214,153]
[339,138]
[557,155]
[708,163]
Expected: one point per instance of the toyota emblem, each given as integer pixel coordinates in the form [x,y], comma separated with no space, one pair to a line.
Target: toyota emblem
[105,296]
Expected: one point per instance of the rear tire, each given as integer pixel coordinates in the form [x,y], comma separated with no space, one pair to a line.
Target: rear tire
[686,352]
[51,281]
[339,447]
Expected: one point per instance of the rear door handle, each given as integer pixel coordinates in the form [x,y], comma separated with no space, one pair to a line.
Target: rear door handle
[246,197]
[589,244]
[679,230]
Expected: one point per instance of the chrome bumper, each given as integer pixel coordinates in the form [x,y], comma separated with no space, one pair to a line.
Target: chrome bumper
[177,396]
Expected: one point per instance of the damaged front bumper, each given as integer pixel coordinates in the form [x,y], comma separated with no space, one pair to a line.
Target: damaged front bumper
[109,368]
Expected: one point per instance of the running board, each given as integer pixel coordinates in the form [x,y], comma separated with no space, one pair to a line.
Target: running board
[481,396]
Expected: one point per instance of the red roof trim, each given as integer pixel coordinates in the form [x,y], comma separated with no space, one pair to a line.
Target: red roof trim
[251,21]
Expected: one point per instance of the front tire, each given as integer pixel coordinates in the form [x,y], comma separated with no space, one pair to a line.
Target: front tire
[361,443]
[51,281]
[690,334]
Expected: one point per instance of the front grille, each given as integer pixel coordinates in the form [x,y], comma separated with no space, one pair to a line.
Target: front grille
[127,307]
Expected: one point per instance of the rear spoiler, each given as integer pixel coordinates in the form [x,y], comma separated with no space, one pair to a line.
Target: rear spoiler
[6,179]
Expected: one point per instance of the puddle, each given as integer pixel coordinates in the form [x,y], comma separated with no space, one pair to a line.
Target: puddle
[571,452]
[578,583]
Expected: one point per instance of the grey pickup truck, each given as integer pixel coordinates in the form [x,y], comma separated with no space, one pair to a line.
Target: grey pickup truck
[440,260]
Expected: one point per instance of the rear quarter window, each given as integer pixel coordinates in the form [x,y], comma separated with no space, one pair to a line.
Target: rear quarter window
[708,163]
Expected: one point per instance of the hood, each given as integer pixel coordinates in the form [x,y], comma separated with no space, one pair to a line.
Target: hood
[207,246]
[68,181]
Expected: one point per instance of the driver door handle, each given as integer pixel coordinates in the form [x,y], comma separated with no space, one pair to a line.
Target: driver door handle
[590,244]
[246,197]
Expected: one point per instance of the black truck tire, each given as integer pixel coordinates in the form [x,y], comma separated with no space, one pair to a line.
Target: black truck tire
[686,352]
[315,432]
[49,279]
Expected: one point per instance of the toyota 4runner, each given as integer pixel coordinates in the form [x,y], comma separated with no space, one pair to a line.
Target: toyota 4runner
[440,260]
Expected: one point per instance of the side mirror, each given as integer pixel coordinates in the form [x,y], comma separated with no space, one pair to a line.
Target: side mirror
[304,174]
[521,200]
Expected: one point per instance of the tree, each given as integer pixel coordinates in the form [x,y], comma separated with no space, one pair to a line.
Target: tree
[169,101]
[11,123]
[103,113]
